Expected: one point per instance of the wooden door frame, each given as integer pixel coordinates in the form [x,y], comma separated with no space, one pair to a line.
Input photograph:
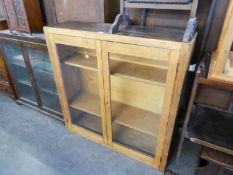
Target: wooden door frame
[52,40]
[172,58]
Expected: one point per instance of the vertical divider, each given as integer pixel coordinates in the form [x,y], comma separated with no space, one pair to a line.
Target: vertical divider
[101,74]
[107,90]
[30,73]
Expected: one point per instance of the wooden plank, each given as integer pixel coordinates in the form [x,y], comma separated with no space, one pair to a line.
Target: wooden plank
[138,94]
[72,41]
[135,118]
[139,51]
[169,89]
[184,59]
[212,146]
[217,157]
[101,90]
[82,61]
[138,72]
[98,35]
[87,102]
[139,60]
[158,6]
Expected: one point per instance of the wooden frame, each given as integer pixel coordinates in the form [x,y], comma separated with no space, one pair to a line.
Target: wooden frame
[223,52]
[176,53]
[203,99]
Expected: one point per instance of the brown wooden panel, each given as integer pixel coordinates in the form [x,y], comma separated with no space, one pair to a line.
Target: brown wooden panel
[23,15]
[5,80]
[214,97]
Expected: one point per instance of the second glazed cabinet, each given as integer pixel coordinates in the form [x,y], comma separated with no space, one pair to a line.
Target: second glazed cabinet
[30,69]
[120,91]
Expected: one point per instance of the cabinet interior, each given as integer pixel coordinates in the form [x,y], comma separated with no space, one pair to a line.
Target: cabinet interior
[229,63]
[79,69]
[137,92]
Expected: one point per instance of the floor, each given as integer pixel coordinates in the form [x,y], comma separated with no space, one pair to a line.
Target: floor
[33,143]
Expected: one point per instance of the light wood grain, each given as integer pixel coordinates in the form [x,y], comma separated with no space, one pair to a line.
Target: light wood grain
[141,110]
[184,59]
[140,60]
[138,72]
[135,118]
[71,34]
[138,94]
[87,102]
[169,92]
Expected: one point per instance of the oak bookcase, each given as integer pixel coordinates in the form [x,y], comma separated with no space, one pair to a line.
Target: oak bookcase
[120,91]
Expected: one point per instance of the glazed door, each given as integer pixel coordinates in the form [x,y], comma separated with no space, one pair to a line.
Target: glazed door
[80,71]
[18,68]
[139,84]
[43,76]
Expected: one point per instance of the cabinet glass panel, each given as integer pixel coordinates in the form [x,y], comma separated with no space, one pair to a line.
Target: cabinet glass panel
[43,75]
[18,71]
[137,92]
[80,76]
[229,63]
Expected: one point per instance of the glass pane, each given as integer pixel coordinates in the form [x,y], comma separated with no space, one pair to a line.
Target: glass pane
[137,93]
[229,63]
[43,75]
[80,76]
[18,71]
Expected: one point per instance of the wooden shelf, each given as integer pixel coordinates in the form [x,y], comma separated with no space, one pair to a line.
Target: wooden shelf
[24,82]
[135,118]
[48,91]
[129,116]
[87,102]
[217,157]
[141,61]
[138,72]
[22,65]
[134,139]
[50,101]
[204,124]
[82,61]
[89,122]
